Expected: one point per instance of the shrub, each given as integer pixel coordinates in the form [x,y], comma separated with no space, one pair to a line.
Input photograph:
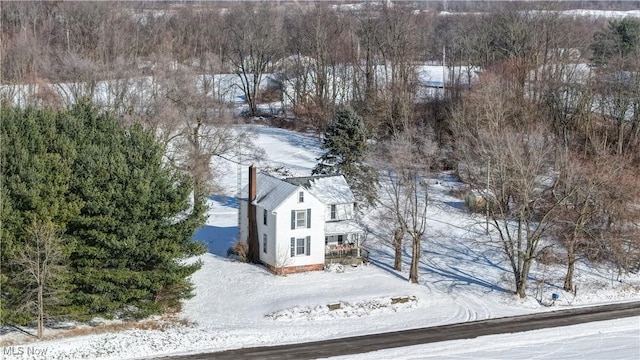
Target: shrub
[239,250]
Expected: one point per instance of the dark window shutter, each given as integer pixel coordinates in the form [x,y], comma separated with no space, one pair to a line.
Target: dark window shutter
[308,218]
[264,243]
[308,245]
[293,219]
[293,247]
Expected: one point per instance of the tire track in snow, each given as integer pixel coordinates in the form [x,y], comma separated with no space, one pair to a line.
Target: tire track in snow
[469,309]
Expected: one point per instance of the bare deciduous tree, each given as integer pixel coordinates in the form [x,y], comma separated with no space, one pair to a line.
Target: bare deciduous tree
[204,131]
[597,198]
[397,43]
[283,259]
[492,130]
[317,40]
[406,160]
[42,260]
[254,42]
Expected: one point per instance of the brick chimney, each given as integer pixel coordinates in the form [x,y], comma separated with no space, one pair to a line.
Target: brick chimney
[252,241]
[252,182]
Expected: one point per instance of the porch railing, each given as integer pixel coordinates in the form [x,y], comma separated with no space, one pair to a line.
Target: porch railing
[338,251]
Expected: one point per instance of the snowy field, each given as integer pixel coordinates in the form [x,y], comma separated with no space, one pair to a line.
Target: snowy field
[616,339]
[462,278]
[609,14]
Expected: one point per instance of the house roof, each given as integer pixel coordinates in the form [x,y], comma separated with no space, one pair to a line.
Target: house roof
[342,227]
[436,75]
[271,191]
[329,189]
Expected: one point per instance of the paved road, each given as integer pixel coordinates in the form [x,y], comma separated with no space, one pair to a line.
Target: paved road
[468,330]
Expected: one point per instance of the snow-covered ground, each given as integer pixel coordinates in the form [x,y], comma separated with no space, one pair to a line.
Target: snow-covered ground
[609,14]
[613,14]
[615,339]
[463,278]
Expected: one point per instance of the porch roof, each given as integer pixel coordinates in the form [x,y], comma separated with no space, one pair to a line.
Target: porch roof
[342,227]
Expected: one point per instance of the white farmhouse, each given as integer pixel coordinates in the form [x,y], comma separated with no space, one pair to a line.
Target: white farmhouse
[298,224]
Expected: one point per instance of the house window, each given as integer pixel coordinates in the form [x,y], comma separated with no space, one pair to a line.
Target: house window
[333,212]
[300,219]
[340,241]
[264,215]
[301,196]
[301,246]
[264,243]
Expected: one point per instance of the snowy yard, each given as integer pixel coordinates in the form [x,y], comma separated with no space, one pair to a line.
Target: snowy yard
[463,278]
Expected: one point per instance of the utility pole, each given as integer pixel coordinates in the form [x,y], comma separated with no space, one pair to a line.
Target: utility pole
[239,184]
[486,199]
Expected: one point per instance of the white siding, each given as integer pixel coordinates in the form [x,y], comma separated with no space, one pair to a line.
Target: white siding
[285,233]
[270,230]
[343,212]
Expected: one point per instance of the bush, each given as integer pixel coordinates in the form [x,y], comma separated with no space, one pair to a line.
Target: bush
[239,251]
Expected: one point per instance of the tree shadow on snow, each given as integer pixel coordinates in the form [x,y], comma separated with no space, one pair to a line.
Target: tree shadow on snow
[451,261]
[217,239]
[456,204]
[459,277]
[382,260]
[227,201]
[472,229]
[296,140]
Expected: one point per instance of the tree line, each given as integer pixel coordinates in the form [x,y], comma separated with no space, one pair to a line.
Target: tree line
[51,42]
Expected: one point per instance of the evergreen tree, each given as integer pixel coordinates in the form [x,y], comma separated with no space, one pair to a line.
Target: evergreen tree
[616,50]
[133,228]
[36,172]
[124,218]
[345,143]
[620,39]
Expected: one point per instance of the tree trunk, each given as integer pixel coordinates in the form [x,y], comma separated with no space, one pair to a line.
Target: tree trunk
[568,280]
[620,136]
[397,245]
[521,287]
[571,260]
[40,311]
[415,259]
[254,93]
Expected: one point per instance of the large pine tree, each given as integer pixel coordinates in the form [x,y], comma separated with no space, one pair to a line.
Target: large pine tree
[345,145]
[124,217]
[36,171]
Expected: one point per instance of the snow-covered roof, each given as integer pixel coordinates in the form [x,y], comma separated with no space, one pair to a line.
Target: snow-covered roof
[435,75]
[271,191]
[329,189]
[342,227]
[294,61]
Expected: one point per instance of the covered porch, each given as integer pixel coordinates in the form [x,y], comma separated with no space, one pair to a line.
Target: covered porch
[343,242]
